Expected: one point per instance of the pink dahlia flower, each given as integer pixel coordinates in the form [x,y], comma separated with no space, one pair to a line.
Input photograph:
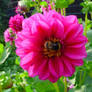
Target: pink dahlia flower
[51,45]
[8,36]
[15,23]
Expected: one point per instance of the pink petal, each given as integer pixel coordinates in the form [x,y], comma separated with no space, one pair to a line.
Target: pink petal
[80,41]
[52,78]
[27,58]
[37,17]
[27,24]
[60,66]
[72,32]
[77,40]
[70,19]
[78,53]
[57,28]
[34,68]
[43,28]
[52,68]
[43,70]
[31,71]
[77,62]
[26,43]
[53,14]
[68,67]
[21,52]
[26,33]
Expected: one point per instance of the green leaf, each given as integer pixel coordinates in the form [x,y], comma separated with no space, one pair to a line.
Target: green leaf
[43,3]
[7,90]
[89,55]
[82,89]
[1,49]
[88,88]
[28,89]
[5,55]
[71,1]
[62,3]
[90,6]
[89,35]
[87,6]
[17,61]
[43,86]
[60,83]
[72,90]
[88,80]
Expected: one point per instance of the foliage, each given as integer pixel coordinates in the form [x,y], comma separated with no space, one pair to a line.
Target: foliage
[87,6]
[63,3]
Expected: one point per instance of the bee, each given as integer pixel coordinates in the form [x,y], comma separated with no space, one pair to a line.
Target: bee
[51,45]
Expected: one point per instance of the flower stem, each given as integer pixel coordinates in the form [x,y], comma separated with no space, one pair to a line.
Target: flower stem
[61,11]
[85,30]
[65,82]
[91,15]
[39,2]
[0,88]
[80,78]
[84,75]
[56,87]
[64,11]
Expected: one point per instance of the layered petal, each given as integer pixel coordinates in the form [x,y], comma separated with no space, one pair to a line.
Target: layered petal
[78,53]
[69,68]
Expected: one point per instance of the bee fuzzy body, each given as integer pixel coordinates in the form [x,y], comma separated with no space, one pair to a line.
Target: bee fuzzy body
[50,45]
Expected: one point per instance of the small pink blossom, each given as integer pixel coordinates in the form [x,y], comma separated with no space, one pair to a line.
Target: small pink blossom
[19,10]
[51,45]
[46,9]
[46,1]
[8,36]
[71,86]
[49,7]
[15,23]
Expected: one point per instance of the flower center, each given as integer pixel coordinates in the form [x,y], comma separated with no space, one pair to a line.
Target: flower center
[52,48]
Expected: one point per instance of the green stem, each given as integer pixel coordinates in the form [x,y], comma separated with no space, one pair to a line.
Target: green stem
[64,11]
[84,75]
[80,82]
[91,15]
[85,30]
[61,11]
[39,3]
[65,82]
[0,88]
[56,87]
